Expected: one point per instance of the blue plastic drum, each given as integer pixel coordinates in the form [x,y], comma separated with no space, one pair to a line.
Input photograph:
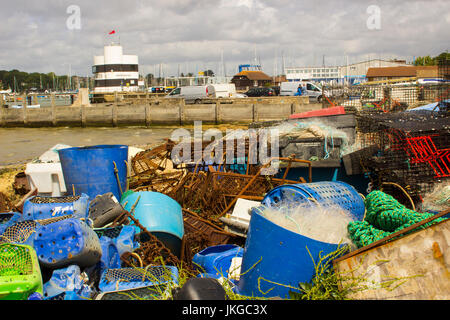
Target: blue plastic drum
[160,215]
[276,260]
[324,193]
[90,170]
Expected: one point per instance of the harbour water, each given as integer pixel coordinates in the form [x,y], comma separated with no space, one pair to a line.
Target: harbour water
[19,145]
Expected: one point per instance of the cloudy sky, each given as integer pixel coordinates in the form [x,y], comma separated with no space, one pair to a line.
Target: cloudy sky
[193,35]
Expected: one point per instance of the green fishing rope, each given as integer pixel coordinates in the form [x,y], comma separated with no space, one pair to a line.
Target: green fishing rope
[384,216]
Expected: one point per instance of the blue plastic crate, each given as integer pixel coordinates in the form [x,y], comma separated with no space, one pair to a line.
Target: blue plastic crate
[324,193]
[136,281]
[43,207]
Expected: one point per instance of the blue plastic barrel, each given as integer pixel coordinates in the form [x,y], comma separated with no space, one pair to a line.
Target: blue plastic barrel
[276,260]
[324,193]
[216,260]
[90,170]
[160,215]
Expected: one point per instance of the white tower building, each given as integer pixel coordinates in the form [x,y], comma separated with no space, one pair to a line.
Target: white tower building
[115,71]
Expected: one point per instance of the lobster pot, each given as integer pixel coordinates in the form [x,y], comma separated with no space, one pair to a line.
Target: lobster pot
[216,260]
[20,275]
[160,215]
[66,242]
[7,219]
[21,232]
[324,193]
[44,207]
[275,260]
[91,169]
[145,283]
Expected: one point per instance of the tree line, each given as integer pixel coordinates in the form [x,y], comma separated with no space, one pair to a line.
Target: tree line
[19,81]
[442,59]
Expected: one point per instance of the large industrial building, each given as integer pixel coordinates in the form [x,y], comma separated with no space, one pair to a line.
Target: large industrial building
[352,73]
[115,71]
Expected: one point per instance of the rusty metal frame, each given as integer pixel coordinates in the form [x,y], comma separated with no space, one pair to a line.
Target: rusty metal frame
[252,180]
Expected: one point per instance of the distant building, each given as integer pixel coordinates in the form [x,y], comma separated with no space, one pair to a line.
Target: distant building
[392,73]
[356,72]
[115,71]
[247,79]
[318,74]
[352,73]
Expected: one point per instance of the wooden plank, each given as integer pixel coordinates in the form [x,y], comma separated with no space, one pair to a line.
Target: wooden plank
[414,267]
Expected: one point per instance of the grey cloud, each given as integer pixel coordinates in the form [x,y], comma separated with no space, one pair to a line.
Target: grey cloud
[193,33]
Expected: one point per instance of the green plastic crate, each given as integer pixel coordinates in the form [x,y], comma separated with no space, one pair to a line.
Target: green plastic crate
[20,274]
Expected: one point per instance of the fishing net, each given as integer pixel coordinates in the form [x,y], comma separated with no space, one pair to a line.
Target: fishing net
[384,216]
[15,260]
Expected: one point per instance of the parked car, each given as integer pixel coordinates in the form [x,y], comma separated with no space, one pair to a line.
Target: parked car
[276,89]
[260,92]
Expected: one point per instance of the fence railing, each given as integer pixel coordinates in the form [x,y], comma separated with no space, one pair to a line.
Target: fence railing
[386,97]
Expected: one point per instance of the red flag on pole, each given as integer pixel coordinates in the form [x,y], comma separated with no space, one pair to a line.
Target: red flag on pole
[112,32]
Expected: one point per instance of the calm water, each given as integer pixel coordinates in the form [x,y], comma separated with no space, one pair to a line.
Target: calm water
[19,145]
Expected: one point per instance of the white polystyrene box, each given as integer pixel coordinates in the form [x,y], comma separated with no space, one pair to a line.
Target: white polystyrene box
[48,178]
[241,209]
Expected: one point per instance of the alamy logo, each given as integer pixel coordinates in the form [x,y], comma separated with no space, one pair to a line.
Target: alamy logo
[73,22]
[260,142]
[373,22]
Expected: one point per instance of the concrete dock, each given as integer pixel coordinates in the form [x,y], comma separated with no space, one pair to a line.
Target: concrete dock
[156,112]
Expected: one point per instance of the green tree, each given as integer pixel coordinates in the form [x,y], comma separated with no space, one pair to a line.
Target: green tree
[441,59]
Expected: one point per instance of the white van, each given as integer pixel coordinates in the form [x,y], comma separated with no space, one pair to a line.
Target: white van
[222,90]
[289,88]
[310,89]
[191,94]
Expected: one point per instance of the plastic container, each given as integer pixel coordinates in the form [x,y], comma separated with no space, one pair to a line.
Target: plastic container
[160,215]
[216,260]
[20,275]
[324,193]
[104,209]
[47,178]
[110,258]
[66,242]
[90,170]
[136,282]
[276,260]
[44,207]
[64,281]
[123,237]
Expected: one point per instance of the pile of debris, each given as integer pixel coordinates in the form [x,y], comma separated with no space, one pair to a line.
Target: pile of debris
[112,222]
